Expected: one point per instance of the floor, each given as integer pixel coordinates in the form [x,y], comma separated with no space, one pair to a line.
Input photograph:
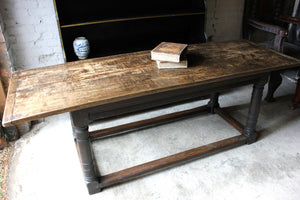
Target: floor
[45,163]
[5,155]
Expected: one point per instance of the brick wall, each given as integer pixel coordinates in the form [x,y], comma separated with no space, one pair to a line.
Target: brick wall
[5,72]
[6,68]
[32,32]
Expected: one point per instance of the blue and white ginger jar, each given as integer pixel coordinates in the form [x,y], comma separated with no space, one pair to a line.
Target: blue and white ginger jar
[81,47]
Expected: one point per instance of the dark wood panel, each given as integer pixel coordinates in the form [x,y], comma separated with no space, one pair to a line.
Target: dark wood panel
[75,11]
[134,35]
[116,26]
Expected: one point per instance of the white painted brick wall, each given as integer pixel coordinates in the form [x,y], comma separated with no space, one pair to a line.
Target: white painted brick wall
[32,32]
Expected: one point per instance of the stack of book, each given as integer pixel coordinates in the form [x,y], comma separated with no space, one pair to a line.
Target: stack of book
[170,55]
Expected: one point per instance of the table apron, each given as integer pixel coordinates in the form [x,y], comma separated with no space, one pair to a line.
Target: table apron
[161,99]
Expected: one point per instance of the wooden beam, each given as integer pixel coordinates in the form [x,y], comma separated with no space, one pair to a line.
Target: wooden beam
[3,142]
[233,122]
[146,123]
[130,19]
[169,161]
[2,99]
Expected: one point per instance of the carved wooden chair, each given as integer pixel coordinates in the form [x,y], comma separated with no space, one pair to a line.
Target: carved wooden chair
[286,41]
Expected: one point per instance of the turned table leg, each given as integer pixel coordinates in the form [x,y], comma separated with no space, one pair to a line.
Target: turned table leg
[274,83]
[83,145]
[257,92]
[213,102]
[296,99]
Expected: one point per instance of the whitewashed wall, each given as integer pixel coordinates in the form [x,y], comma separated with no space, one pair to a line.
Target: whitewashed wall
[34,38]
[32,31]
[224,19]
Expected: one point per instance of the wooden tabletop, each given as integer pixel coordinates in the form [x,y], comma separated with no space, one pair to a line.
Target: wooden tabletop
[42,92]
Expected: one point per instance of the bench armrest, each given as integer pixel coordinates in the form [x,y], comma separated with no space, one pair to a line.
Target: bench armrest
[268,27]
[290,19]
[280,33]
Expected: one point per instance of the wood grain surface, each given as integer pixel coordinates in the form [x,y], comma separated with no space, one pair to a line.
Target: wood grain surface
[83,84]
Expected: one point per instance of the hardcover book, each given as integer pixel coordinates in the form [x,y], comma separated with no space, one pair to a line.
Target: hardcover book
[168,51]
[170,65]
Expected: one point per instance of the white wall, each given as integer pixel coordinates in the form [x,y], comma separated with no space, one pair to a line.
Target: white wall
[34,38]
[224,19]
[32,32]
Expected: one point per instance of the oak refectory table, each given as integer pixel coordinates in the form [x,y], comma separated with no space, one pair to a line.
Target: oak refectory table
[106,87]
